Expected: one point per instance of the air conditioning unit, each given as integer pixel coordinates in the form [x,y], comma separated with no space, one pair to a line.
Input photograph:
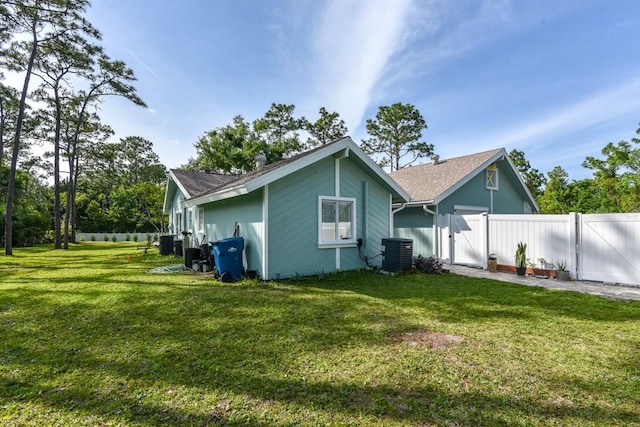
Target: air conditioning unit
[397,254]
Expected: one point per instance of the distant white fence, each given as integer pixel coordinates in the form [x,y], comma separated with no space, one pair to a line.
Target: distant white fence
[595,247]
[119,237]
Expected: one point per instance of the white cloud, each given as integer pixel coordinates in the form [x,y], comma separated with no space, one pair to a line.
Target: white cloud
[353,44]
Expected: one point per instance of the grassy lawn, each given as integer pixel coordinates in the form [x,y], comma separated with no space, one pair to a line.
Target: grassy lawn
[88,337]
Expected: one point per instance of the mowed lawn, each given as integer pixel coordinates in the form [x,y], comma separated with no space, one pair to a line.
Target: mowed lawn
[88,337]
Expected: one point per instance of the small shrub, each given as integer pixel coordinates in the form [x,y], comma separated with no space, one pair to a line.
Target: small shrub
[135,237]
[93,238]
[82,239]
[430,265]
[114,238]
[127,237]
[106,238]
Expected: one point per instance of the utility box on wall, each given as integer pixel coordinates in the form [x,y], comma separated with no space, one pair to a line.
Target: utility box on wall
[397,254]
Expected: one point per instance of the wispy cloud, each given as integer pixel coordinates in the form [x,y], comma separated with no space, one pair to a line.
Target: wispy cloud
[146,67]
[596,108]
[353,44]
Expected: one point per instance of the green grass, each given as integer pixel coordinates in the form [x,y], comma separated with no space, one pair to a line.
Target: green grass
[88,337]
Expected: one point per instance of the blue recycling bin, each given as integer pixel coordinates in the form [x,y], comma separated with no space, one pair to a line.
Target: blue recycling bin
[227,254]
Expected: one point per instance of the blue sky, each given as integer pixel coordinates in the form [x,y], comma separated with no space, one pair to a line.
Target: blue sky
[555,79]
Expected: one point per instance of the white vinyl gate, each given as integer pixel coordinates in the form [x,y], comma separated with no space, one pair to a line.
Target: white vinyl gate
[598,247]
[609,248]
[468,239]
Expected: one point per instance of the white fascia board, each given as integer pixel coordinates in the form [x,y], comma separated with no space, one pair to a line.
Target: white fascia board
[214,197]
[172,178]
[381,173]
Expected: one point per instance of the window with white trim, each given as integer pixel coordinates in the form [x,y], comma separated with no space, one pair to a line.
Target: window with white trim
[178,222]
[336,220]
[190,220]
[201,219]
[492,177]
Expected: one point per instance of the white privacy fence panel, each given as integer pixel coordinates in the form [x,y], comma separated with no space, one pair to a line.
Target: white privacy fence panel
[595,247]
[610,248]
[548,237]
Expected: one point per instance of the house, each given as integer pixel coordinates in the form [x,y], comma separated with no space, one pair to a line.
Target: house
[483,182]
[320,211]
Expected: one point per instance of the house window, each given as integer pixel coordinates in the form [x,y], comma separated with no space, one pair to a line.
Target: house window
[201,219]
[336,221]
[178,222]
[190,221]
[492,177]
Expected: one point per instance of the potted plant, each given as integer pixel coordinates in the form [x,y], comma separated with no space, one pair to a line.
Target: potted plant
[561,270]
[521,259]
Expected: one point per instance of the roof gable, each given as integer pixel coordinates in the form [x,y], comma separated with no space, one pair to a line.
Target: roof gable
[433,182]
[246,183]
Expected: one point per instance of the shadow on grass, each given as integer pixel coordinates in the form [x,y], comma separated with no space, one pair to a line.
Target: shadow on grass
[142,335]
[460,298]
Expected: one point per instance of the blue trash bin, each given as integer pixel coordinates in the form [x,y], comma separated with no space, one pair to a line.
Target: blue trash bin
[227,254]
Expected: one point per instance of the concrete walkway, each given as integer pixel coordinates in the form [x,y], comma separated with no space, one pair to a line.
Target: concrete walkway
[594,288]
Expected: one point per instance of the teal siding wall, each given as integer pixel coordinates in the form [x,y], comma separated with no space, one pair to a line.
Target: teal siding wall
[372,217]
[413,223]
[221,217]
[293,221]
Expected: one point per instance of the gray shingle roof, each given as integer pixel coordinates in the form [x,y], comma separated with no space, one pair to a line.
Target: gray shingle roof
[196,182]
[429,181]
[201,183]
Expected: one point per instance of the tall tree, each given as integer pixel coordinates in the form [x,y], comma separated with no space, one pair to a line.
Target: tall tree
[8,110]
[554,200]
[110,78]
[279,131]
[32,24]
[327,128]
[617,175]
[228,149]
[232,148]
[395,135]
[532,177]
[56,62]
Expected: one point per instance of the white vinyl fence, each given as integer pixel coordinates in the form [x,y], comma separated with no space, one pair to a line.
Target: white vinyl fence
[595,247]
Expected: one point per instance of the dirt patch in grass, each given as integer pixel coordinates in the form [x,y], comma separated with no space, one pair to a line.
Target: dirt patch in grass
[432,339]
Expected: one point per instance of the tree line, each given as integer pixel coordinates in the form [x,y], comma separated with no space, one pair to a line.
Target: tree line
[613,188]
[66,73]
[395,138]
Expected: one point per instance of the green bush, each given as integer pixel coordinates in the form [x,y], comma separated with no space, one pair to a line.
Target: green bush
[135,237]
[106,238]
[127,237]
[114,238]
[93,238]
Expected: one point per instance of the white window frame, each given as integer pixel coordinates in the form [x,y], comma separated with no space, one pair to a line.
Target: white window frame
[179,223]
[333,243]
[190,220]
[200,219]
[492,178]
